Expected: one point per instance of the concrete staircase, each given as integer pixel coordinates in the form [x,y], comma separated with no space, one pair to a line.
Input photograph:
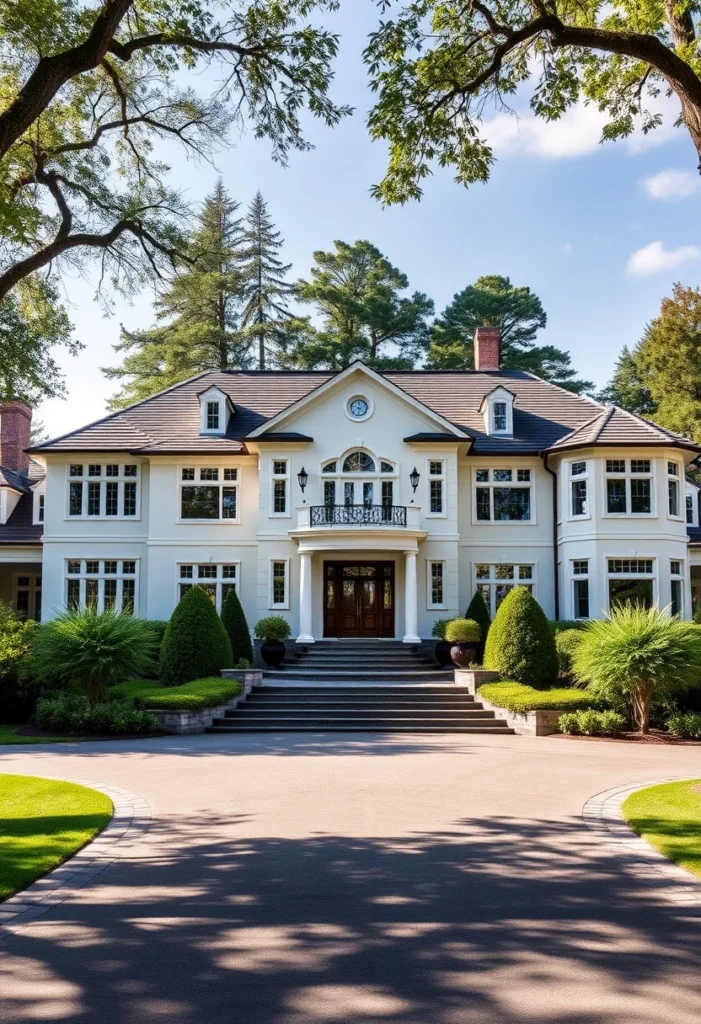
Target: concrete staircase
[358,661]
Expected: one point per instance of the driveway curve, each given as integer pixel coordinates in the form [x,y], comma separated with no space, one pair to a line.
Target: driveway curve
[308,879]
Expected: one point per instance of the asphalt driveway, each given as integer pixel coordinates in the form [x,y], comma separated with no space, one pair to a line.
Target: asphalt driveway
[359,879]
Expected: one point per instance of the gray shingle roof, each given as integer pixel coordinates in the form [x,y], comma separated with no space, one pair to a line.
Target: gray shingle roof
[614,426]
[19,529]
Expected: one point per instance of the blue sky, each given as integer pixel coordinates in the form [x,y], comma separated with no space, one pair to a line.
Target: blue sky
[600,233]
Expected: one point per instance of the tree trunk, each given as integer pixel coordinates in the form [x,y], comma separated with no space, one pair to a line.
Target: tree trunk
[94,690]
[642,699]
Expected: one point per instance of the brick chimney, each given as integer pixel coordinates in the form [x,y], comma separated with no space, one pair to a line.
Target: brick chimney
[487,349]
[15,427]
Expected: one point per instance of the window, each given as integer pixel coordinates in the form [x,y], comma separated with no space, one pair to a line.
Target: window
[580,587]
[213,406]
[360,491]
[690,509]
[495,581]
[280,476]
[212,415]
[578,489]
[436,584]
[38,507]
[217,580]
[673,489]
[503,495]
[102,584]
[436,479]
[28,596]
[628,487]
[209,493]
[98,491]
[279,584]
[676,586]
[499,414]
[358,462]
[630,581]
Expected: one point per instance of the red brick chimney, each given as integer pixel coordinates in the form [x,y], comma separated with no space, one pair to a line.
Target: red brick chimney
[487,348]
[15,427]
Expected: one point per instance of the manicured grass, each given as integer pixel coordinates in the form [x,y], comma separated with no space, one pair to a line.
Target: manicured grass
[197,695]
[42,822]
[8,734]
[669,817]
[520,698]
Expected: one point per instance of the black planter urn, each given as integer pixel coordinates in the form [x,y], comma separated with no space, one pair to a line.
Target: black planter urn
[442,653]
[273,653]
[463,655]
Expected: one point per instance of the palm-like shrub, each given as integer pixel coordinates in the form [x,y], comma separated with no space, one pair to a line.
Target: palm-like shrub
[196,644]
[521,643]
[638,654]
[439,627]
[463,631]
[234,620]
[92,649]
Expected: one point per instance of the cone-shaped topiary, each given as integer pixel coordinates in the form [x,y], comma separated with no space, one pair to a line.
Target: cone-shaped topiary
[196,644]
[521,644]
[479,612]
[236,626]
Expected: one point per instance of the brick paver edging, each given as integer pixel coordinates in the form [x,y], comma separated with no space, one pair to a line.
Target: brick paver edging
[603,815]
[127,826]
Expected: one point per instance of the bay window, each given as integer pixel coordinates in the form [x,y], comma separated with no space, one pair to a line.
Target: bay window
[103,490]
[209,493]
[676,573]
[579,489]
[630,581]
[580,587]
[628,487]
[673,485]
[503,495]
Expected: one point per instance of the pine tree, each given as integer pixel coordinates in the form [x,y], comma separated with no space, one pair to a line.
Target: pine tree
[628,386]
[266,319]
[234,619]
[198,313]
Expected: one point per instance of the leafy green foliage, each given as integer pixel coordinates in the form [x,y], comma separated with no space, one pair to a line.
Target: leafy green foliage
[272,627]
[493,301]
[463,631]
[196,644]
[560,625]
[566,643]
[628,388]
[521,643]
[357,295]
[592,723]
[72,712]
[91,649]
[194,696]
[236,626]
[439,627]
[520,698]
[687,726]
[18,691]
[638,654]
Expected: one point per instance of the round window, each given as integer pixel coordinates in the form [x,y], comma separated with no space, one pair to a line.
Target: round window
[358,407]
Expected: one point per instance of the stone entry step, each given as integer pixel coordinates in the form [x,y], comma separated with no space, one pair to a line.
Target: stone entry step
[427,675]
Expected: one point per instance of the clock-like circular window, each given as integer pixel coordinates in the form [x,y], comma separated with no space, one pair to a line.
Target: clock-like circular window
[358,407]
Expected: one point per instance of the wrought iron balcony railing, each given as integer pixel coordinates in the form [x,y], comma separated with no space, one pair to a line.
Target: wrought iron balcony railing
[358,515]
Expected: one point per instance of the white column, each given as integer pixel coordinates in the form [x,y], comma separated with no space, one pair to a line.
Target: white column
[305,599]
[410,599]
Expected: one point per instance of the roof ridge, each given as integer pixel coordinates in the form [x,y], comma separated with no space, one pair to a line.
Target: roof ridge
[606,420]
[651,425]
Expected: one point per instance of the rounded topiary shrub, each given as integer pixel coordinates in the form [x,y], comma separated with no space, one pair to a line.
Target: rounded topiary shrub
[521,643]
[236,626]
[196,644]
[566,643]
[463,631]
[479,612]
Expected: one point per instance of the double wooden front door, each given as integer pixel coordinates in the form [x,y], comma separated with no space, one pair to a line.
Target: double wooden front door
[359,599]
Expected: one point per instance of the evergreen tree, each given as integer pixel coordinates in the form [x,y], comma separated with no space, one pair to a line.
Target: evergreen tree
[197,314]
[266,319]
[628,388]
[356,292]
[494,301]
[478,611]
[234,620]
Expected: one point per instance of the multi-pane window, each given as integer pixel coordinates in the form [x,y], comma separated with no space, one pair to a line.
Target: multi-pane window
[495,581]
[499,417]
[628,487]
[278,584]
[436,486]
[676,567]
[209,492]
[102,490]
[28,596]
[212,416]
[578,489]
[217,580]
[39,507]
[690,509]
[101,584]
[436,584]
[360,490]
[673,486]
[503,495]
[280,476]
[580,587]
[630,581]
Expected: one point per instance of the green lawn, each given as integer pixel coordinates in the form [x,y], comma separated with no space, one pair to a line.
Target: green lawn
[669,817]
[42,822]
[8,734]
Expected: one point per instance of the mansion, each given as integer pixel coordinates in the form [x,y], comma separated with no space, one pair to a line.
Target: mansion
[354,504]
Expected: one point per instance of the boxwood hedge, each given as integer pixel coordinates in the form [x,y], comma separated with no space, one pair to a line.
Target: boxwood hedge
[520,698]
[194,696]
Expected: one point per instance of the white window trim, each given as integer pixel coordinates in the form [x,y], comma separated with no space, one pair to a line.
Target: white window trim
[499,395]
[120,480]
[679,577]
[654,575]
[82,577]
[587,478]
[513,483]
[286,603]
[32,589]
[279,476]
[574,578]
[430,477]
[492,582]
[40,492]
[219,604]
[358,419]
[681,491]
[628,476]
[375,477]
[180,483]
[691,492]
[430,562]
[213,395]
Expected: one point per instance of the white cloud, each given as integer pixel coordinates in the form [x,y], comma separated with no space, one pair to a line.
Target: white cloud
[671,185]
[654,258]
[566,248]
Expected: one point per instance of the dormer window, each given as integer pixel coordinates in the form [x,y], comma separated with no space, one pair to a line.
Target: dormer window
[212,415]
[214,412]
[498,411]
[499,417]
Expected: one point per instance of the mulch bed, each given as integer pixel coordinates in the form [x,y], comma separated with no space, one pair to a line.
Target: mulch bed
[657,736]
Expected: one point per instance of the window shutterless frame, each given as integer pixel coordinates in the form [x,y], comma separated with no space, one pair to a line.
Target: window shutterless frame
[215,578]
[279,583]
[210,489]
[435,489]
[436,583]
[102,583]
[629,488]
[579,490]
[103,491]
[279,489]
[501,494]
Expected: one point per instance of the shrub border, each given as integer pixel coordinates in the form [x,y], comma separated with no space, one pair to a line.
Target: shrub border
[603,816]
[126,828]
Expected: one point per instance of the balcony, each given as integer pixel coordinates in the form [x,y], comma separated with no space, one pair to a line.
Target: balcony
[358,517]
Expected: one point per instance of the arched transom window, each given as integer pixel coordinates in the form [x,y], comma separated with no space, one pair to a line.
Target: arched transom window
[359,480]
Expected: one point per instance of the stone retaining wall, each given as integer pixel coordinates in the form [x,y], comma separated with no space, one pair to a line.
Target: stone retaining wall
[185,723]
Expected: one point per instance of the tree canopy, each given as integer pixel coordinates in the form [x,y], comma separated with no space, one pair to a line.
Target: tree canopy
[628,388]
